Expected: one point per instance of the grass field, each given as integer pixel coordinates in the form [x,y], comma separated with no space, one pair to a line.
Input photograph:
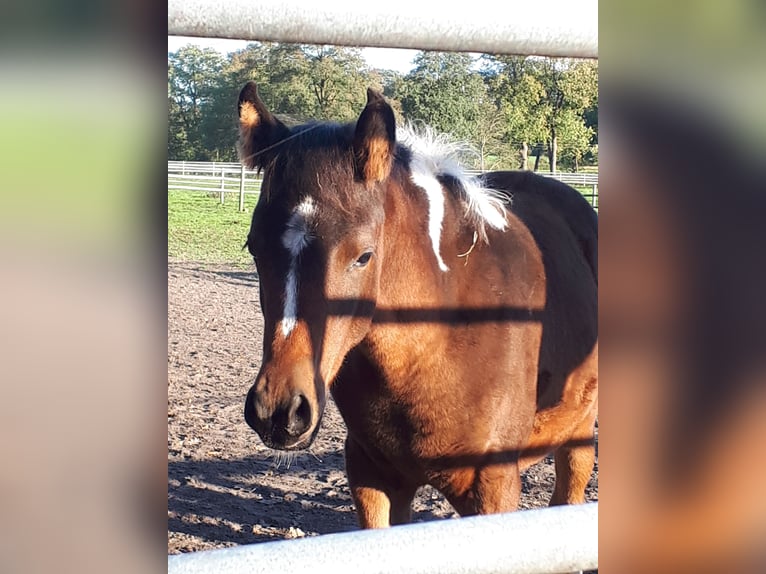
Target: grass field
[201,229]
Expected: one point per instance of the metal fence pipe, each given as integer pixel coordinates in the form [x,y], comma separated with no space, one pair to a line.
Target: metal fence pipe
[543,541]
[544,28]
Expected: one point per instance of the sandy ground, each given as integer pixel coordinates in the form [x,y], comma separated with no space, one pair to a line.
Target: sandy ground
[224,487]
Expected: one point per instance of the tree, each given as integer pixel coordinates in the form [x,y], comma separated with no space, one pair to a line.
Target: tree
[574,139]
[570,87]
[192,78]
[337,78]
[387,79]
[513,107]
[519,95]
[488,133]
[278,70]
[302,82]
[545,102]
[443,92]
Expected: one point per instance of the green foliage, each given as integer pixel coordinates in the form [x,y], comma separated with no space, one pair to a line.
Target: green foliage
[192,84]
[545,102]
[338,79]
[443,92]
[507,107]
[574,139]
[298,82]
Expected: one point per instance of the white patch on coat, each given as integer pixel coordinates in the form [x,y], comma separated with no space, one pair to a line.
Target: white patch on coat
[296,237]
[424,178]
[435,156]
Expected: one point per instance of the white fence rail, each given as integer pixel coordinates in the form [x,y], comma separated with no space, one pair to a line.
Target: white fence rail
[543,28]
[230,177]
[543,541]
[214,177]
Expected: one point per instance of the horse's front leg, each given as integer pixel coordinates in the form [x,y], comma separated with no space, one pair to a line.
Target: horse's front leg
[485,490]
[382,497]
[574,463]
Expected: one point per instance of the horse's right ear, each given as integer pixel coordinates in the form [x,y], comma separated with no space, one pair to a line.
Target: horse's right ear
[259,131]
[375,139]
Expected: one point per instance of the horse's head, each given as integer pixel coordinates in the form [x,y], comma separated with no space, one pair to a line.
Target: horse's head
[316,237]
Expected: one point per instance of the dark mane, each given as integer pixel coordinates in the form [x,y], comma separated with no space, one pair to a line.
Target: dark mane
[312,152]
[327,136]
[316,134]
[322,151]
[315,152]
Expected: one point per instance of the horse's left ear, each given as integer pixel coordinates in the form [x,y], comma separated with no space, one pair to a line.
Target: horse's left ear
[259,131]
[375,139]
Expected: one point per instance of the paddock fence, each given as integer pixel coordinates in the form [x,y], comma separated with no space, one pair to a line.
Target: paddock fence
[543,541]
[219,178]
[222,178]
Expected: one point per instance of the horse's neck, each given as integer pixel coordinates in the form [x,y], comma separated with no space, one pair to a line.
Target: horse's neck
[413,287]
[413,270]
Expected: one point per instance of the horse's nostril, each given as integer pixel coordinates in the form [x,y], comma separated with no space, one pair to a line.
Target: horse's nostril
[298,416]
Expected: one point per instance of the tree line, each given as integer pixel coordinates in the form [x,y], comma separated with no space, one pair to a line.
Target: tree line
[517,111]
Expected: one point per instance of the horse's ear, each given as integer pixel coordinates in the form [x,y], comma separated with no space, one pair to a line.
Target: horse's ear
[375,139]
[258,129]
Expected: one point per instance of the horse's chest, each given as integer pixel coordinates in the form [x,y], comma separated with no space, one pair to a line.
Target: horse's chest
[406,431]
[382,421]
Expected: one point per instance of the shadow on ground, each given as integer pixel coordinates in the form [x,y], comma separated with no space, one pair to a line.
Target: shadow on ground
[249,500]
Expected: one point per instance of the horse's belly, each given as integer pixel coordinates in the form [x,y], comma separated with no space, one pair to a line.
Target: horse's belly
[426,432]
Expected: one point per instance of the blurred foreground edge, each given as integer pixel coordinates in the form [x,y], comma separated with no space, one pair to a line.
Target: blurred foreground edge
[682,329]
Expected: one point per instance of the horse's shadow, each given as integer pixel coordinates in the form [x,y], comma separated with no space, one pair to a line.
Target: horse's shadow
[223,502]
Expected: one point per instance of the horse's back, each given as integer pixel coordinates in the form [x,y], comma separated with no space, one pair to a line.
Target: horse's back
[539,200]
[565,228]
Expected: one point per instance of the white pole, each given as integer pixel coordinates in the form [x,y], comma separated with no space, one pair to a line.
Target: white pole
[223,183]
[543,541]
[543,28]
[242,189]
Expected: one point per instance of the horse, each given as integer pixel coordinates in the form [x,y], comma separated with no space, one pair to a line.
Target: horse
[452,318]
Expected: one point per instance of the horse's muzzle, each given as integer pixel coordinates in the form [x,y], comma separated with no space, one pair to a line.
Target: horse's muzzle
[287,426]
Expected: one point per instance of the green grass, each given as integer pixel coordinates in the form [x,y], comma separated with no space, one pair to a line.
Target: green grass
[201,229]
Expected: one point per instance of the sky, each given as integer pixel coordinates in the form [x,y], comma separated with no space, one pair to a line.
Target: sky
[383,58]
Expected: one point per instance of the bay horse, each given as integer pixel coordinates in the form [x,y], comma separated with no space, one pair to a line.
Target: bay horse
[453,318]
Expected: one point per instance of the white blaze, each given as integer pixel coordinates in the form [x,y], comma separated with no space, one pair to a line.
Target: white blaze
[295,238]
[424,178]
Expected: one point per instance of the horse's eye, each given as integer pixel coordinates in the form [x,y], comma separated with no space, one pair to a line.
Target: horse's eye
[364,259]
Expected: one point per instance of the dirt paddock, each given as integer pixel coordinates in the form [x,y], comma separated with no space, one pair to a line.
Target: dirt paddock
[224,487]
